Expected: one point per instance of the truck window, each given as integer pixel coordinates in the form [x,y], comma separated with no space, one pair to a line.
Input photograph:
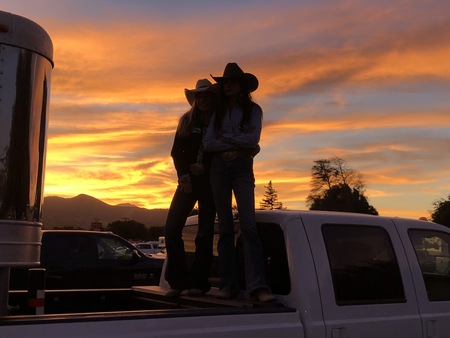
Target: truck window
[275,258]
[68,250]
[272,238]
[111,248]
[189,234]
[432,252]
[363,265]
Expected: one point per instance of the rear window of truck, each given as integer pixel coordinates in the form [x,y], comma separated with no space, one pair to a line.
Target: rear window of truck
[433,257]
[364,268]
[274,248]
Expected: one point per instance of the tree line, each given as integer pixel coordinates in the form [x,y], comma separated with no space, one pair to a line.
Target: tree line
[334,187]
[337,187]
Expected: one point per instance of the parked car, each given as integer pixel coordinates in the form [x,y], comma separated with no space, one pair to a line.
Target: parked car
[76,259]
[151,247]
[160,255]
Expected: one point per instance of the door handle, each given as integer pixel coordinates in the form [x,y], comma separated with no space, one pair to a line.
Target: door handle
[431,328]
[339,332]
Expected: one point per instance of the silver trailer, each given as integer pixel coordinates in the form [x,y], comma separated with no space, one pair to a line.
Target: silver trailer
[26,61]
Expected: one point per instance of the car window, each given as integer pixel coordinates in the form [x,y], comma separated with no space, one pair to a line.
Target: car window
[363,265]
[432,252]
[68,250]
[144,246]
[112,248]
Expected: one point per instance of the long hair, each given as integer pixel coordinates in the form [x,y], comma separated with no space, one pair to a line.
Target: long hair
[187,121]
[245,100]
[193,117]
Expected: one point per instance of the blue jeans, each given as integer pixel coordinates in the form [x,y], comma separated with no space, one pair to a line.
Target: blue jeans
[228,177]
[178,275]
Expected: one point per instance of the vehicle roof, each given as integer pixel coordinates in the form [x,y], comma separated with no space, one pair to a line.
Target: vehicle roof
[339,214]
[335,217]
[77,231]
[282,216]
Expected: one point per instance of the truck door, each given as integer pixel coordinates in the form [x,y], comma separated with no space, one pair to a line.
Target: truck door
[364,279]
[427,246]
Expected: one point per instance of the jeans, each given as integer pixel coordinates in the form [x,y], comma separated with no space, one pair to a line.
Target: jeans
[228,177]
[178,274]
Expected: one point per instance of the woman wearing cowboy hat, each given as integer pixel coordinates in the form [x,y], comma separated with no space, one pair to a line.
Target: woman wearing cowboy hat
[232,138]
[192,167]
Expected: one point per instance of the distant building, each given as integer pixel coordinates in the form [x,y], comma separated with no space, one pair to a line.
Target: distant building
[96,225]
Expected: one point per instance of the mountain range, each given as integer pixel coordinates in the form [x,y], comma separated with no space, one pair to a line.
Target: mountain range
[82,211]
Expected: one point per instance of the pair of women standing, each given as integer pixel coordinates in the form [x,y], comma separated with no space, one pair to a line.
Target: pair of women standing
[230,142]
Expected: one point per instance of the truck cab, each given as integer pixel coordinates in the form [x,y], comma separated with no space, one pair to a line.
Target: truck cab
[351,274]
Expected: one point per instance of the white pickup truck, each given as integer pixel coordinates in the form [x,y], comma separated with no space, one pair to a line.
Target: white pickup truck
[335,275]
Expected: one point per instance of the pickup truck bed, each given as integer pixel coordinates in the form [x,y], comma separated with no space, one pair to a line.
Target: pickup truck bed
[183,316]
[157,293]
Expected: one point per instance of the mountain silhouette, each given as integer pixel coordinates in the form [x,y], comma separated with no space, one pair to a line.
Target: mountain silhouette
[81,211]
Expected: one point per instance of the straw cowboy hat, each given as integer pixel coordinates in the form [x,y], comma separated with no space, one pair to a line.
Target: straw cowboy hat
[202,85]
[232,70]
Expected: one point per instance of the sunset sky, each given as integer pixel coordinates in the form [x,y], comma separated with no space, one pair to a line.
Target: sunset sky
[366,80]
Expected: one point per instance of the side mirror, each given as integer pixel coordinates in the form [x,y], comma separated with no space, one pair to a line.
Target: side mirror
[136,256]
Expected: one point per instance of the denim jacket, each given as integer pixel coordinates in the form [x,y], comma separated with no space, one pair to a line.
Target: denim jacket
[232,137]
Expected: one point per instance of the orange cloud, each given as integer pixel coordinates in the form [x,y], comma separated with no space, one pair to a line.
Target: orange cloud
[117,93]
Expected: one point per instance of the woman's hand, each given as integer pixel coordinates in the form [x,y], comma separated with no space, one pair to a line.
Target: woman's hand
[185,187]
[197,169]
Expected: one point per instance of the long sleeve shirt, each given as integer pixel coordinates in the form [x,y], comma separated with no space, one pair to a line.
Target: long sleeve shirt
[185,151]
[231,136]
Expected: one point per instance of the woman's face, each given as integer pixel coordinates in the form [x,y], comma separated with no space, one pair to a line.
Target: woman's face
[204,101]
[231,87]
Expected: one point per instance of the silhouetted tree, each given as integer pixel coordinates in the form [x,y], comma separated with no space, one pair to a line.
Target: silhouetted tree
[270,199]
[129,229]
[336,187]
[322,176]
[441,212]
[343,198]
[326,173]
[154,232]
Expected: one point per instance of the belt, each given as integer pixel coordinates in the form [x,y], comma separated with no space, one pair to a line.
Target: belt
[230,155]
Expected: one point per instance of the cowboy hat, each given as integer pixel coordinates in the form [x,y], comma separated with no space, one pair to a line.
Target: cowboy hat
[232,70]
[202,85]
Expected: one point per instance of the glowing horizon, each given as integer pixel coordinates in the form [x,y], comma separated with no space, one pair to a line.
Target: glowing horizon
[366,81]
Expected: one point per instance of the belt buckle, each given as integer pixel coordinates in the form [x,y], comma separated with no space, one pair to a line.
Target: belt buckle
[228,155]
